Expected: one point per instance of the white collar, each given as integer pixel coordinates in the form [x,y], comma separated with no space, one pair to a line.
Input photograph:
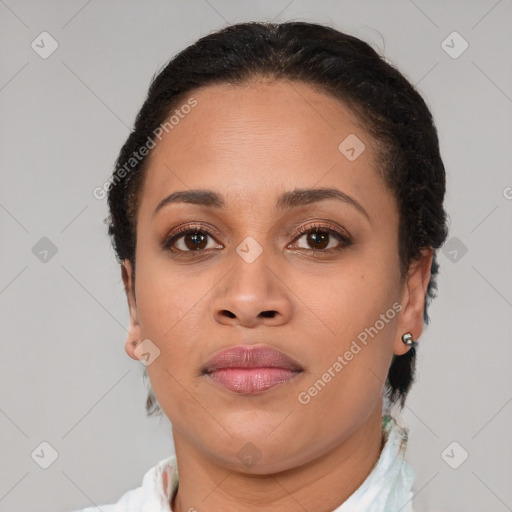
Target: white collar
[388,486]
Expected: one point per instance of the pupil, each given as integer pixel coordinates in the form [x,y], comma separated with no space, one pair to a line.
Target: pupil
[197,239]
[319,238]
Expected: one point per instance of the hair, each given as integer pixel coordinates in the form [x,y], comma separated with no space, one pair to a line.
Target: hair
[383,100]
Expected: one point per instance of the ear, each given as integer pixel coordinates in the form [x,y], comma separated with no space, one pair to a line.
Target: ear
[134,334]
[413,300]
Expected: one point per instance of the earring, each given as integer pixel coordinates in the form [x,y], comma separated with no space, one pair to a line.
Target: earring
[407,339]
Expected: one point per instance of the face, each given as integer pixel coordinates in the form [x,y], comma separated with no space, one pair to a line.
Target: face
[299,284]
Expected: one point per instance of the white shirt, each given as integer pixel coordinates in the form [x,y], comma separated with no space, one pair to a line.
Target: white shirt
[386,489]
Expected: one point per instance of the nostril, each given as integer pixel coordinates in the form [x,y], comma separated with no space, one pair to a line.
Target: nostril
[228,313]
[268,314]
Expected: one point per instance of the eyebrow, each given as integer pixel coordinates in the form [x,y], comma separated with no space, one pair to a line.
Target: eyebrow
[291,199]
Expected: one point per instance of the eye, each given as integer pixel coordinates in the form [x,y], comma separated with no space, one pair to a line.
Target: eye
[322,239]
[189,239]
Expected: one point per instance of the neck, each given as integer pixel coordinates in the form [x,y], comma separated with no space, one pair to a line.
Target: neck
[319,485]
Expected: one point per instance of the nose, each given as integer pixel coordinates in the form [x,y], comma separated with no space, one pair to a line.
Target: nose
[252,294]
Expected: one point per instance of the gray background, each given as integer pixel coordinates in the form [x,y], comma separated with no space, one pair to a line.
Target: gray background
[65,378]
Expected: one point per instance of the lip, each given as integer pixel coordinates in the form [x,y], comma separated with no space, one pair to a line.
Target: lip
[250,369]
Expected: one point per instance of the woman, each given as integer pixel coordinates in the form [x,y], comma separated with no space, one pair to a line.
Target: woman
[276,213]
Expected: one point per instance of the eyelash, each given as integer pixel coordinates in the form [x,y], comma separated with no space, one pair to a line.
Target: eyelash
[344,239]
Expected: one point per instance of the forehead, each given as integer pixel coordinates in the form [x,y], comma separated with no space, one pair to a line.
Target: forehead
[253,141]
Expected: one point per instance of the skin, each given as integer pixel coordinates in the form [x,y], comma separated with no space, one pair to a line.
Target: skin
[250,143]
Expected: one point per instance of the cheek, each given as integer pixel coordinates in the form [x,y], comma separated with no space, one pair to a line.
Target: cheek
[166,300]
[169,309]
[349,372]
[355,312]
[171,314]
[348,299]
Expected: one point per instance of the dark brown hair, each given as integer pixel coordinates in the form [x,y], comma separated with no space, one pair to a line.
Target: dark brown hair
[389,107]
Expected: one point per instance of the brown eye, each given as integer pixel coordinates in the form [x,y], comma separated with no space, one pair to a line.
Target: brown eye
[189,240]
[322,239]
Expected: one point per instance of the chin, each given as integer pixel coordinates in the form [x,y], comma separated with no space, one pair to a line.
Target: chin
[256,459]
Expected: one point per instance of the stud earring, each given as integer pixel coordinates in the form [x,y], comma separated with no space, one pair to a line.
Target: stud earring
[407,339]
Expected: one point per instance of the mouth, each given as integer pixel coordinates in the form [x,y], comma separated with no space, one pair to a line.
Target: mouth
[251,370]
